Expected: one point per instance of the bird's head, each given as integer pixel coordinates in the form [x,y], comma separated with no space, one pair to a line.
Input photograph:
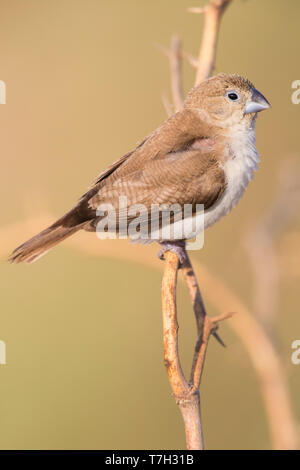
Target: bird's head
[226,100]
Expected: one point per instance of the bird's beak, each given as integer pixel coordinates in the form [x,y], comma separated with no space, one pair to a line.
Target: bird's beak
[257,102]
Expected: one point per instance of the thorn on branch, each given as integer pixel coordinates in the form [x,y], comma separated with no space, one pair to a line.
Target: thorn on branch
[218,338]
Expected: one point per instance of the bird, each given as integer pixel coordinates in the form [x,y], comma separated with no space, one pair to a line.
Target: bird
[205,154]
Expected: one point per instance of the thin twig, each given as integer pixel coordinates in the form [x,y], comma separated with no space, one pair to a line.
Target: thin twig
[176,73]
[167,105]
[213,13]
[186,396]
[170,326]
[193,61]
[175,59]
[199,310]
[205,324]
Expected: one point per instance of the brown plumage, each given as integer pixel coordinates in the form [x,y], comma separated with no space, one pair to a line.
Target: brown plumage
[180,162]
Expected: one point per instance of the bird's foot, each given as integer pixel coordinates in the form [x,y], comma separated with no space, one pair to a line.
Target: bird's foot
[177,247]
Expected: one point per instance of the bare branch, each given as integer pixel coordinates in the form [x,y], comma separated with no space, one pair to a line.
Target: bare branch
[176,73]
[186,397]
[205,324]
[213,13]
[190,58]
[167,105]
[175,59]
[170,326]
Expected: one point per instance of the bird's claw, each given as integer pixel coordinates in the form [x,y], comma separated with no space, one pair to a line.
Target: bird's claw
[177,248]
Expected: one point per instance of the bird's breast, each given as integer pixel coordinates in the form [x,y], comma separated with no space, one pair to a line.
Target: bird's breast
[240,162]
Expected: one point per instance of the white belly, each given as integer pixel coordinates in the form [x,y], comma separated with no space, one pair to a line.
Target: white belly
[239,170]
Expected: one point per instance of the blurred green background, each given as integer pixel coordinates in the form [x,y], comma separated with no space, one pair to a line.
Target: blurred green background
[83,333]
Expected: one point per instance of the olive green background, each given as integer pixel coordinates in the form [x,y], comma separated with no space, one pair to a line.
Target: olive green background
[83,334]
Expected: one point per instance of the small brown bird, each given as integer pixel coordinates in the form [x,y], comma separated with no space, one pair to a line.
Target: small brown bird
[204,154]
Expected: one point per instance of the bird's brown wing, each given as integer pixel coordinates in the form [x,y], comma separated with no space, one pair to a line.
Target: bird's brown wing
[139,172]
[185,177]
[171,135]
[175,134]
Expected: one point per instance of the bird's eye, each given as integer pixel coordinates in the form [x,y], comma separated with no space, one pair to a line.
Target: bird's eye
[232,95]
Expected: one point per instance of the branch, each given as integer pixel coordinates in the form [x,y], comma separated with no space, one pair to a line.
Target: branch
[167,105]
[205,324]
[213,13]
[186,394]
[187,398]
[201,316]
[175,58]
[176,74]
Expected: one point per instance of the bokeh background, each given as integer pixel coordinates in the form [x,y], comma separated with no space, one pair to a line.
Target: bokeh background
[84,332]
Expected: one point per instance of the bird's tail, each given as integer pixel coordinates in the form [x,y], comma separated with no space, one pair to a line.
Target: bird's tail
[39,245]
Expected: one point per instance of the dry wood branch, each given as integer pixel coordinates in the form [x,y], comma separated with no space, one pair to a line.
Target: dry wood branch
[205,325]
[170,327]
[175,59]
[167,105]
[176,73]
[186,396]
[213,13]
[201,316]
[191,59]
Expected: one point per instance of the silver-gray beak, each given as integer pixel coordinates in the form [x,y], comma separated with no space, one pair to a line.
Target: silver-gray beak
[257,103]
